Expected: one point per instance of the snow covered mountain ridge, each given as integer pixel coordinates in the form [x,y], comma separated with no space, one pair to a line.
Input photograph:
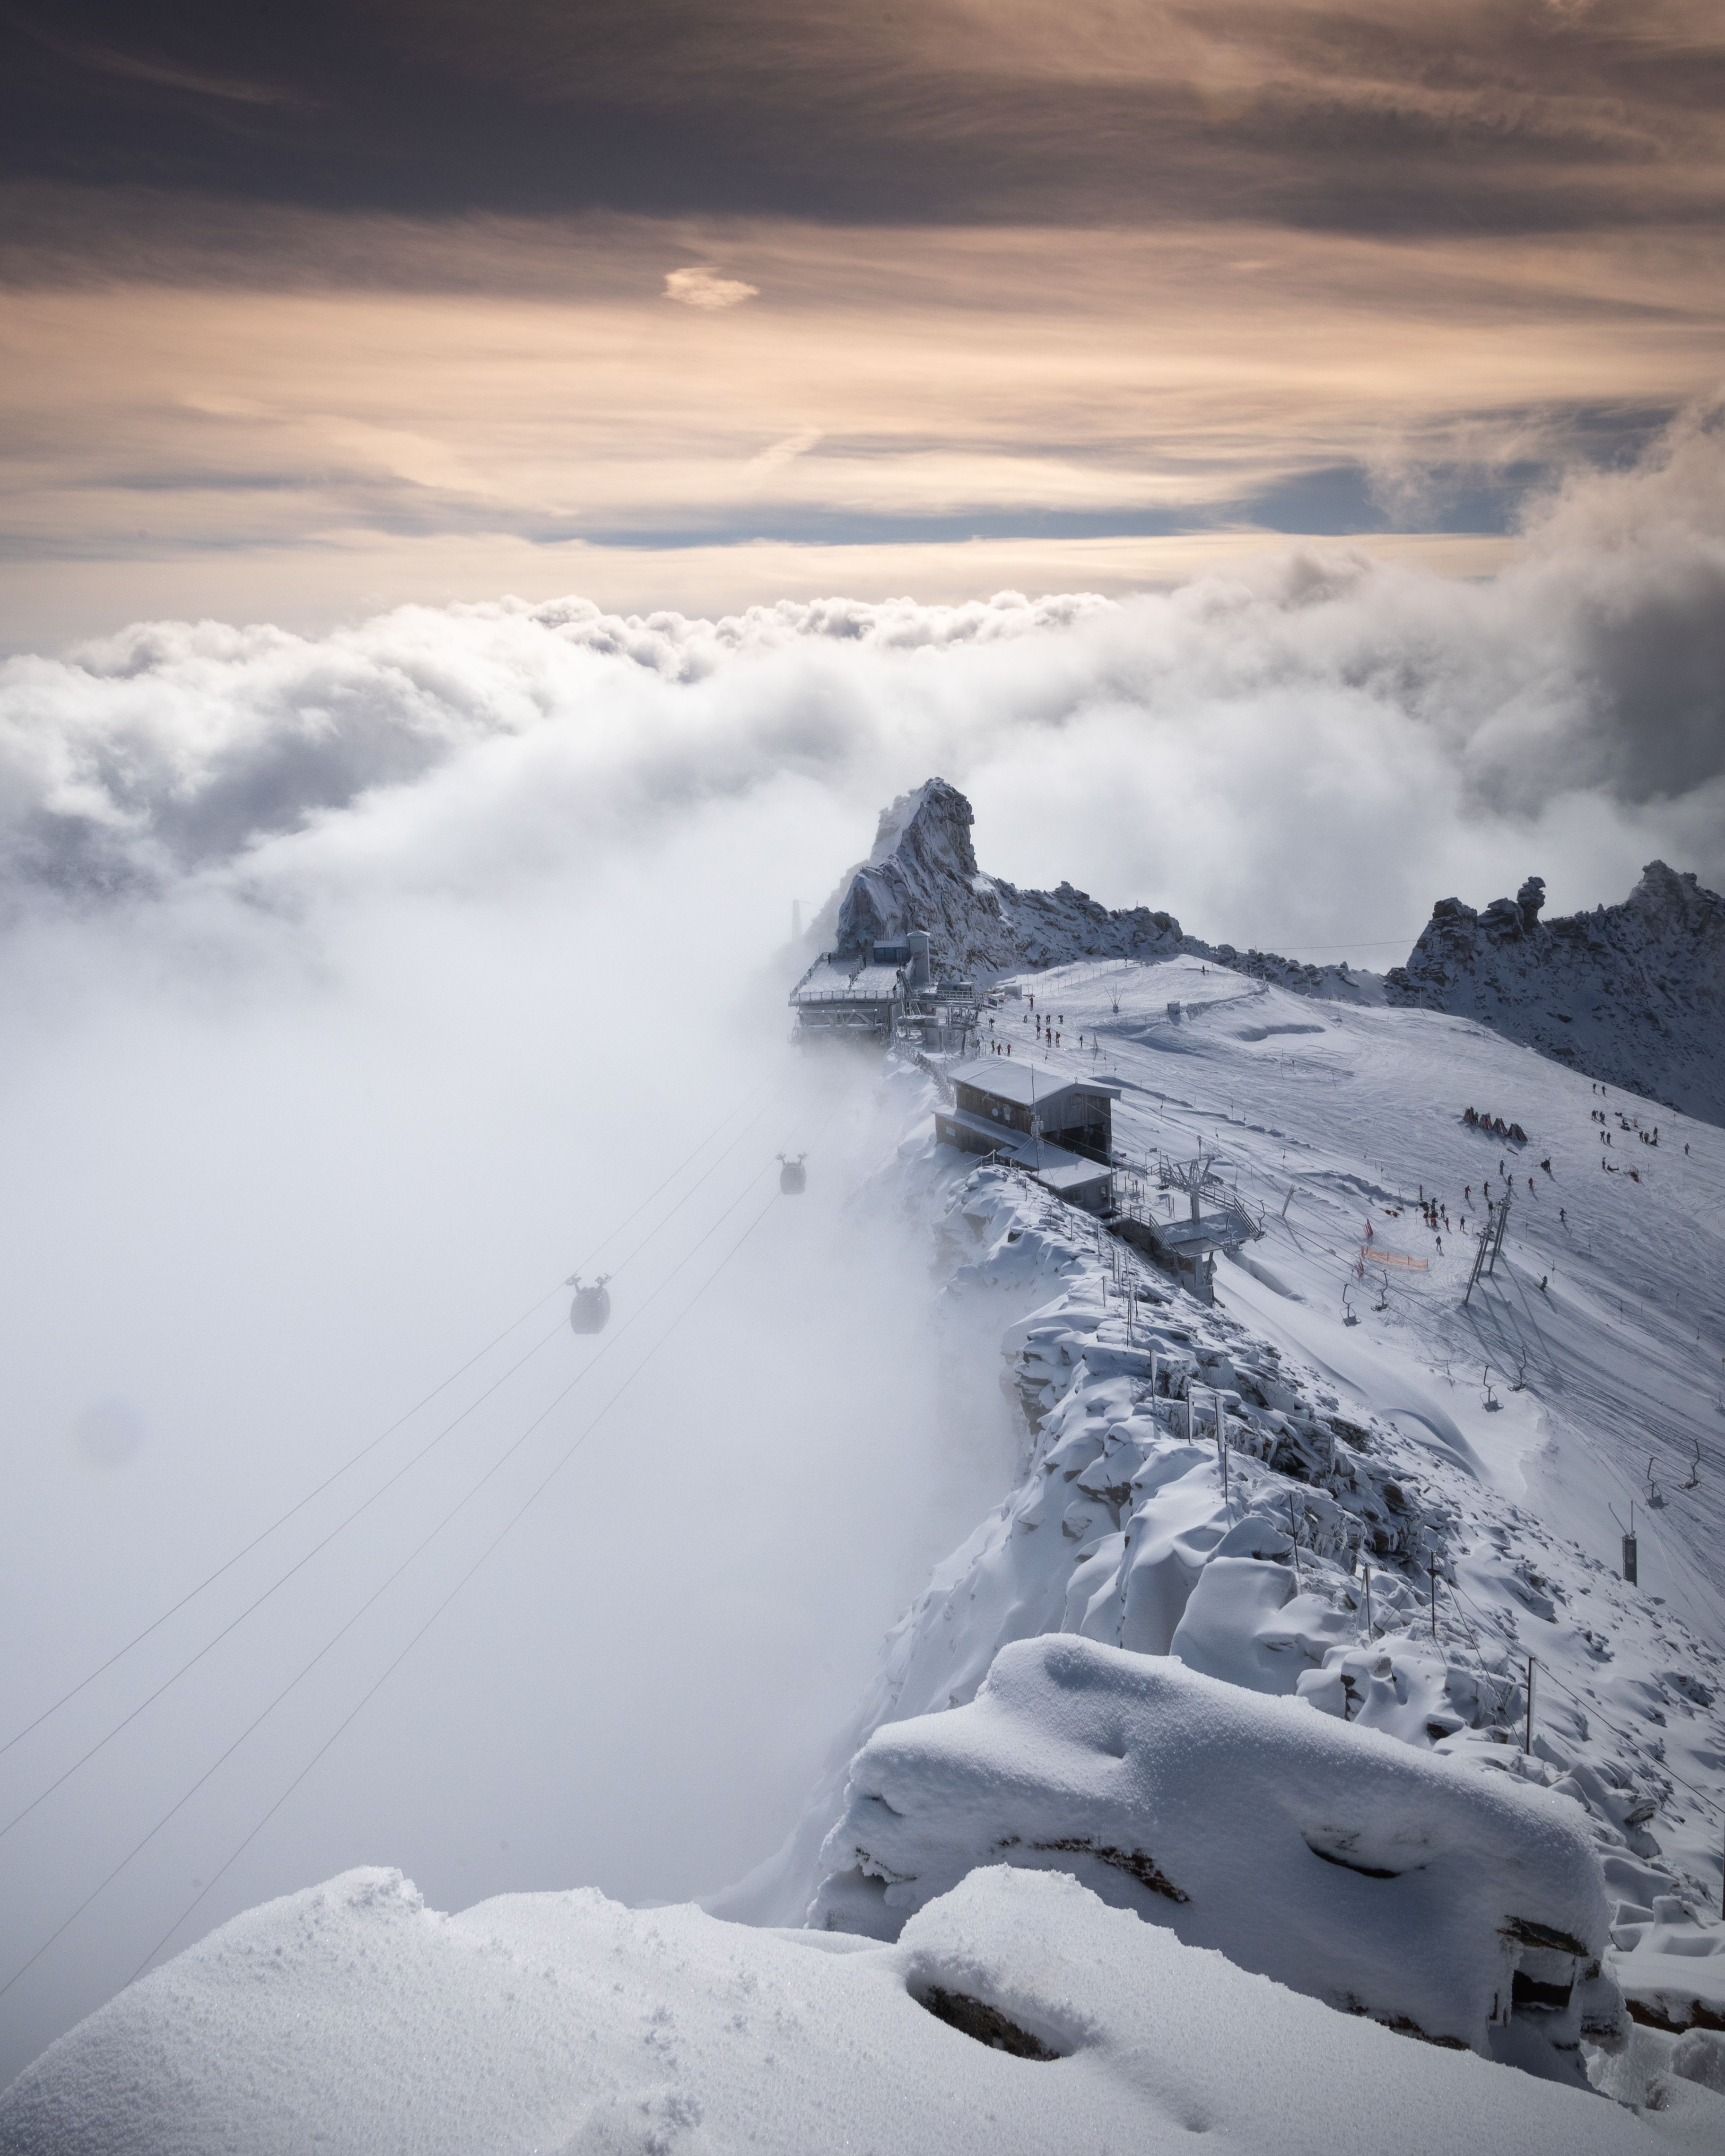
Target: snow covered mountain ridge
[1633,994]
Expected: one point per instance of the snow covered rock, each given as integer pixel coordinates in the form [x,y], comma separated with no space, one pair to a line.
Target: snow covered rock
[1672,1965]
[1633,994]
[1016,2016]
[1451,1905]
[922,873]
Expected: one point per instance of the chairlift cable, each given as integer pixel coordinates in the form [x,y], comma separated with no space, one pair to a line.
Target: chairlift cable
[460,1504]
[365,1450]
[367,1697]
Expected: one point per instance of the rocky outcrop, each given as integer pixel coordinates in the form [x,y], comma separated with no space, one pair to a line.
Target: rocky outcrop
[1633,994]
[923,874]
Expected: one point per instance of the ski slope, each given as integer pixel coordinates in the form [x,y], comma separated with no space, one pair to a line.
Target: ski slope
[1601,1328]
[1357,1110]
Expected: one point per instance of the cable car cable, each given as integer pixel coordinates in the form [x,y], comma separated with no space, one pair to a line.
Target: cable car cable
[367,1450]
[365,1504]
[347,1626]
[281,1581]
[367,1697]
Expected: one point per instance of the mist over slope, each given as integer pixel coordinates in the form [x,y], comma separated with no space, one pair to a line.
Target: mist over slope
[352,984]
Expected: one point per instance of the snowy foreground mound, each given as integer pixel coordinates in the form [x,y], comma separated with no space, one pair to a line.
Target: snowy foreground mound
[352,2018]
[1458,1907]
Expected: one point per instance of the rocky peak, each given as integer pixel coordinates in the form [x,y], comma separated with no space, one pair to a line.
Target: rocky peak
[1632,993]
[922,853]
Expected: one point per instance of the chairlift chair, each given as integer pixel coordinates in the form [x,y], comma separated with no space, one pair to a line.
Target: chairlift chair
[591,1310]
[793,1175]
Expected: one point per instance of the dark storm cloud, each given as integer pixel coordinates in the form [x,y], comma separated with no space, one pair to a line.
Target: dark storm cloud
[1385,116]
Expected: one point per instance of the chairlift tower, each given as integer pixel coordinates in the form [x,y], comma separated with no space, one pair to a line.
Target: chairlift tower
[1197,1178]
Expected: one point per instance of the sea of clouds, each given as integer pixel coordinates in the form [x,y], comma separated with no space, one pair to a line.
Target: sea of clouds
[357,987]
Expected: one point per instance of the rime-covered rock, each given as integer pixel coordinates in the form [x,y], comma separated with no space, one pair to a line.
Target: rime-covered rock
[1633,994]
[1455,1906]
[923,874]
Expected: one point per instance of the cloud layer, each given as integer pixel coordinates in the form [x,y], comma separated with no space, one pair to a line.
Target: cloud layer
[1572,702]
[1386,116]
[359,986]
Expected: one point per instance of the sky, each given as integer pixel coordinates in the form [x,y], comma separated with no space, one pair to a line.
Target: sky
[493,502]
[311,313]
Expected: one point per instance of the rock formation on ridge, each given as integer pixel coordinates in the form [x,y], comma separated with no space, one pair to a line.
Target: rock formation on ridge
[1633,993]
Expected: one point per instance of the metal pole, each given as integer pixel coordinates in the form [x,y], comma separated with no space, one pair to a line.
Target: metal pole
[1527,1734]
[1434,1598]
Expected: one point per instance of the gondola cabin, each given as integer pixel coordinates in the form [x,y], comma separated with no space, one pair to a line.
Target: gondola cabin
[591,1310]
[793,1175]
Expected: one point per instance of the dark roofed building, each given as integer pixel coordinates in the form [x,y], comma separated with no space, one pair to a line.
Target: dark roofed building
[1058,1130]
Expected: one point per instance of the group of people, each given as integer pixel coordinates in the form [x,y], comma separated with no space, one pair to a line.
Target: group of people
[1048,1029]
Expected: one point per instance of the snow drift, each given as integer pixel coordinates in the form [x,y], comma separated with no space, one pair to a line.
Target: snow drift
[1457,1908]
[1016,2015]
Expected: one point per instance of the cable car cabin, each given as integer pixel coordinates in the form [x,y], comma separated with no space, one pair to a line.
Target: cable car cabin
[591,1310]
[793,1176]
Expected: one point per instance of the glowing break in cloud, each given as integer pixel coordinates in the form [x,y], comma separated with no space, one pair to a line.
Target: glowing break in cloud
[698,286]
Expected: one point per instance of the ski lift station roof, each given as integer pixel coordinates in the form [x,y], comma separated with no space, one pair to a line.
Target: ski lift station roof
[1085,1182]
[1023,1083]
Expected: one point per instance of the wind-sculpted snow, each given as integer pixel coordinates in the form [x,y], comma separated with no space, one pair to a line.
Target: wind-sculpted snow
[354,2019]
[1333,1859]
[1633,994]
[1395,1538]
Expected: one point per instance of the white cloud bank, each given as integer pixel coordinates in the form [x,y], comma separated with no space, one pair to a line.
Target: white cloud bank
[357,985]
[1307,751]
